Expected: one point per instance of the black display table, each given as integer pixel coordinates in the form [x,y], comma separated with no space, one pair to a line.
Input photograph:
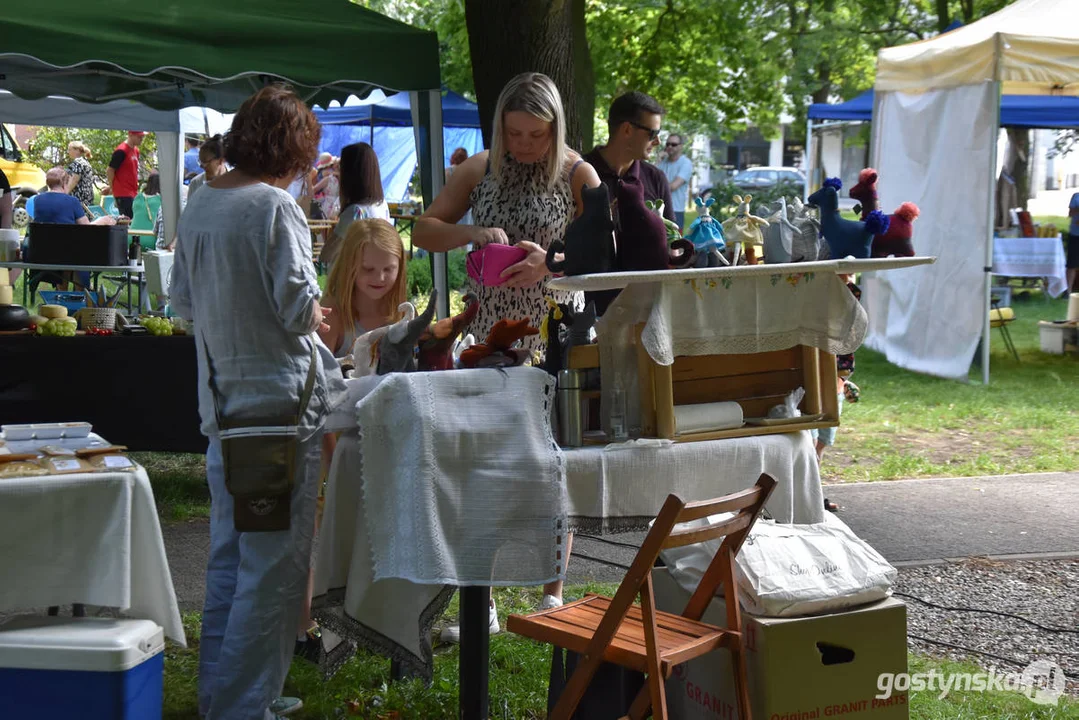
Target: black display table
[138,391]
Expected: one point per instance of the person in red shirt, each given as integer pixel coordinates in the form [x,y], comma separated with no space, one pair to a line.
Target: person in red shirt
[123,172]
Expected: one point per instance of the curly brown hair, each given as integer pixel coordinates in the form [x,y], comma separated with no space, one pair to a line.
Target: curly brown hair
[274,134]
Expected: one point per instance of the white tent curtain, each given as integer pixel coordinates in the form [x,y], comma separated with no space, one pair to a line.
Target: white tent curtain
[936,149]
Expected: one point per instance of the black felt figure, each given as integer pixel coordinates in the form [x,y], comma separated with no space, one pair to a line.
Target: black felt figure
[588,245]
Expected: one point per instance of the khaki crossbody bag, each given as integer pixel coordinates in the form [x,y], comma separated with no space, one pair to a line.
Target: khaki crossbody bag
[259,456]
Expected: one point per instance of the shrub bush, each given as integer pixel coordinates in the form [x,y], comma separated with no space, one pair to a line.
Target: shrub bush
[419,273]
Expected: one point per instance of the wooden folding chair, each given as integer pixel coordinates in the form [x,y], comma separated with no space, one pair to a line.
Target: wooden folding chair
[639,637]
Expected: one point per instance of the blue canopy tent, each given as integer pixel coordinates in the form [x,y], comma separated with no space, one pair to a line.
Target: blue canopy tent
[387,127]
[1023,111]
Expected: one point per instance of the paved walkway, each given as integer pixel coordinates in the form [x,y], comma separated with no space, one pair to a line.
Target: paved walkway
[908,521]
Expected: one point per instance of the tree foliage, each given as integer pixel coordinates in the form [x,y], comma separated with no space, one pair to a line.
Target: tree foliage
[49,148]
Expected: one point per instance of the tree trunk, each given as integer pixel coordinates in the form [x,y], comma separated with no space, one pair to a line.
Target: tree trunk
[547,36]
[1019,153]
[943,15]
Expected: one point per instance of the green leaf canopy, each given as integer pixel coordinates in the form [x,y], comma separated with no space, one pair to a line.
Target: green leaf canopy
[170,54]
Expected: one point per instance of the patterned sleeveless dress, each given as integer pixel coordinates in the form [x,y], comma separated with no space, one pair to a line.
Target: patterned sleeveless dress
[521,205]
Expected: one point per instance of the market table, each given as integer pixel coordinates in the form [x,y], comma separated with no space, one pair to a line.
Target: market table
[1034,258]
[94,270]
[140,390]
[90,538]
[371,520]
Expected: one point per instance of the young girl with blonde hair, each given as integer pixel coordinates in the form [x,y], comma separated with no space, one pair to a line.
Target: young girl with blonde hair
[369,280]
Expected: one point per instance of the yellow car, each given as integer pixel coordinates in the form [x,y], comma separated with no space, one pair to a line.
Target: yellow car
[26,179]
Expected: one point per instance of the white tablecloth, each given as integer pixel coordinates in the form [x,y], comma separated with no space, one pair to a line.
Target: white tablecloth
[86,538]
[622,487]
[1032,257]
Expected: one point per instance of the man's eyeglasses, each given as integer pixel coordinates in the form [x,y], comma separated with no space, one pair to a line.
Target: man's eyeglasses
[673,144]
[653,133]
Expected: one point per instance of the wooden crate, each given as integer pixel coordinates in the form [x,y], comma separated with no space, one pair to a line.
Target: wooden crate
[756,381]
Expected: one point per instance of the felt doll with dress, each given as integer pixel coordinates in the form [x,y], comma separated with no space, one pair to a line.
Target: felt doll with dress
[744,228]
[706,234]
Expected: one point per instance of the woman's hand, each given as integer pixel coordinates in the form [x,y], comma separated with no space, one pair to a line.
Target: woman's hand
[490,236]
[321,326]
[529,271]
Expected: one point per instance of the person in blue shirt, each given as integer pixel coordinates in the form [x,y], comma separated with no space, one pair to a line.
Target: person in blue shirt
[56,206]
[191,160]
[1073,243]
[678,169]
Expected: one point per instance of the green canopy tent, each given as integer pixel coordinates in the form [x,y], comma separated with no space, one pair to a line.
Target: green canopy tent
[172,54]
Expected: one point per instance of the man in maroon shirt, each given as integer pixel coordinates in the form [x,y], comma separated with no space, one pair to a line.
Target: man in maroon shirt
[123,172]
[634,121]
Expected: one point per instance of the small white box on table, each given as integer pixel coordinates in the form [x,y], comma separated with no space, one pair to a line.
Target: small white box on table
[59,668]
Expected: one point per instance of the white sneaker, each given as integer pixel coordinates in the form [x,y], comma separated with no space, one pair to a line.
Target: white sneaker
[285,706]
[452,633]
[550,602]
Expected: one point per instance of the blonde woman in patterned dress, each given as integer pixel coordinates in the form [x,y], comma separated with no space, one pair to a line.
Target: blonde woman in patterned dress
[523,192]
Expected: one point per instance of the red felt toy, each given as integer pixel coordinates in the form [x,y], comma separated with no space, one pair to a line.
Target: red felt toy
[865,192]
[498,351]
[896,240]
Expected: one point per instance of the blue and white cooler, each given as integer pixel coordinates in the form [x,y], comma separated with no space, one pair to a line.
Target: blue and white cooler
[59,668]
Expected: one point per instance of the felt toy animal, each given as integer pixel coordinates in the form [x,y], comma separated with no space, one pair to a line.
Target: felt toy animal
[499,350]
[588,245]
[896,240]
[706,234]
[460,345]
[744,228]
[642,239]
[865,192]
[397,348]
[437,341]
[845,237]
[656,206]
[808,243]
[578,331]
[779,235]
[363,357]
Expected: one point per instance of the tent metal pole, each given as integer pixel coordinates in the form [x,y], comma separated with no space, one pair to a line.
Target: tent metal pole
[809,159]
[427,124]
[991,211]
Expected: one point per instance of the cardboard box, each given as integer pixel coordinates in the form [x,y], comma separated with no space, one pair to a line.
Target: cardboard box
[824,666]
[1059,338]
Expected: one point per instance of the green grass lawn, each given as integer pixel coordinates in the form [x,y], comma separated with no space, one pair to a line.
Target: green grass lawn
[518,681]
[911,425]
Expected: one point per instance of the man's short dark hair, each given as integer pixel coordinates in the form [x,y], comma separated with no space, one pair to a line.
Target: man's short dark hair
[628,108]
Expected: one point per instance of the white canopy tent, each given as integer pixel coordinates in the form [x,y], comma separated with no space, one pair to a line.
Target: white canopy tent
[936,123]
[169,125]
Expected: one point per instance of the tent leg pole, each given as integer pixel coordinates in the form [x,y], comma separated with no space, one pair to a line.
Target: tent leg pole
[427,121]
[992,175]
[808,160]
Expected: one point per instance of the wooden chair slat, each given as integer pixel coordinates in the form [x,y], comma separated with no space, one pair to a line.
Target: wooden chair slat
[712,532]
[731,503]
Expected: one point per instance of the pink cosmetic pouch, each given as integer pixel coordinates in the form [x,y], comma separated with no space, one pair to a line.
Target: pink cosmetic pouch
[485,265]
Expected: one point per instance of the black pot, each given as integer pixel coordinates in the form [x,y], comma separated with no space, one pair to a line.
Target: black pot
[14,317]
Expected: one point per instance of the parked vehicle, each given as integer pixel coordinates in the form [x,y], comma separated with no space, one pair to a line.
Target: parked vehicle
[767,178]
[26,179]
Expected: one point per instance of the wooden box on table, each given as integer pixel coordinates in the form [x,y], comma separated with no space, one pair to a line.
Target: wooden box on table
[756,381]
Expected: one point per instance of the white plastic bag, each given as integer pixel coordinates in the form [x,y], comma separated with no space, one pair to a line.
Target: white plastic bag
[794,570]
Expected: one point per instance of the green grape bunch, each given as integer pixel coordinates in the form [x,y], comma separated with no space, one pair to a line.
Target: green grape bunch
[156,325]
[58,327]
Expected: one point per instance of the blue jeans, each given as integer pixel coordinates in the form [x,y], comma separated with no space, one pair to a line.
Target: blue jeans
[255,584]
[826,436]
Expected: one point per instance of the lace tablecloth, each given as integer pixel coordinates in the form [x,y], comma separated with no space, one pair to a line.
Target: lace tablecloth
[1032,257]
[89,538]
[451,479]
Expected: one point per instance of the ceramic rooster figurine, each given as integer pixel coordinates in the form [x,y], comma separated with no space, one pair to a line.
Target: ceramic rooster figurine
[779,235]
[744,228]
[499,350]
[437,341]
[865,192]
[808,243]
[845,237]
[706,234]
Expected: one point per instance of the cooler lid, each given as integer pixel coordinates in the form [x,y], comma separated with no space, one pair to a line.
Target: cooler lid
[34,642]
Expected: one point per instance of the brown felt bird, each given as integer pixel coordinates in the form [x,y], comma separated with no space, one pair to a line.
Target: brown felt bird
[436,342]
[498,351]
